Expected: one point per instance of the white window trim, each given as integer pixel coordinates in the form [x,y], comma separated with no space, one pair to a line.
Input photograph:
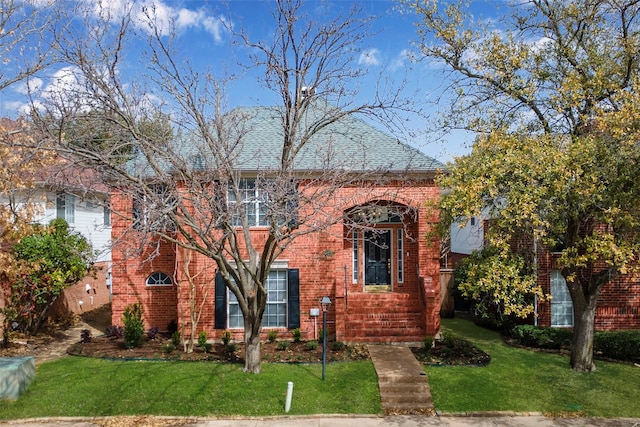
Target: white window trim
[160,283]
[279,265]
[559,278]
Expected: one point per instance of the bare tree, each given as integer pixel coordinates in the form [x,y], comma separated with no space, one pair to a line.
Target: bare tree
[25,47]
[192,189]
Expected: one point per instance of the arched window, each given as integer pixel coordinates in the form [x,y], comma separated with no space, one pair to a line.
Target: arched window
[159,279]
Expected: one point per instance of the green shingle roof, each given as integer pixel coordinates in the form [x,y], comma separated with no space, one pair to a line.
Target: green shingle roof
[348,144]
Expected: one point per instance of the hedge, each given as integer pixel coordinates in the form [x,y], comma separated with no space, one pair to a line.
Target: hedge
[622,345]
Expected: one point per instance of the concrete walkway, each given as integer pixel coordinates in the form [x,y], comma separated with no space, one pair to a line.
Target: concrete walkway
[402,381]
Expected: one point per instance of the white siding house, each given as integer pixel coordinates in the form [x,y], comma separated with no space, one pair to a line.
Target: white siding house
[469,238]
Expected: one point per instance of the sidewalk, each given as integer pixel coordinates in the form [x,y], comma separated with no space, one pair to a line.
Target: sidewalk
[337,421]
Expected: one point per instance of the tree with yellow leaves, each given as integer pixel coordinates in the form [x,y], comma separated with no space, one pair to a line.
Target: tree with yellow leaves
[551,92]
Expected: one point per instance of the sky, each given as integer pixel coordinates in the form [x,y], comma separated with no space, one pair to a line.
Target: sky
[202,37]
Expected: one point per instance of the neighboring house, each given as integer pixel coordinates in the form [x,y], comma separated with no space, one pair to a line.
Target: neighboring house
[64,191]
[89,214]
[384,286]
[618,304]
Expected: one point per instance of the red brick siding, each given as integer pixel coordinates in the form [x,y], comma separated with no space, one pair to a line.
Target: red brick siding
[324,260]
[618,305]
[99,294]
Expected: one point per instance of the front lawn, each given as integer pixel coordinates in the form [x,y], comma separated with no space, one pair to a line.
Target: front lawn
[79,386]
[526,380]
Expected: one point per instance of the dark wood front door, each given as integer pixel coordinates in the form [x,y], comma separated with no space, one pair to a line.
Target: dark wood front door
[377,254]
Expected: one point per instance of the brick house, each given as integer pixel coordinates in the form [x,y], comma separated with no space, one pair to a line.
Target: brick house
[383,282]
[618,305]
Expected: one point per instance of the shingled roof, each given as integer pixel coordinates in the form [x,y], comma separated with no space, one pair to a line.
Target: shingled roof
[348,144]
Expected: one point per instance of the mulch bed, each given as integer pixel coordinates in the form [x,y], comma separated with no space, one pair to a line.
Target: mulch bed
[160,348]
[457,352]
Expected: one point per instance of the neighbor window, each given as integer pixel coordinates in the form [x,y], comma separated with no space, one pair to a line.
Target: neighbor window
[66,207]
[159,279]
[106,212]
[275,313]
[561,304]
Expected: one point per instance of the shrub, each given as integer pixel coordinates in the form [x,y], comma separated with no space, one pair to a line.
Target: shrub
[427,343]
[226,338]
[176,338]
[272,335]
[202,339]
[172,327]
[85,336]
[152,333]
[231,348]
[542,337]
[133,326]
[297,335]
[622,345]
[114,331]
[168,347]
[338,346]
[283,345]
[311,345]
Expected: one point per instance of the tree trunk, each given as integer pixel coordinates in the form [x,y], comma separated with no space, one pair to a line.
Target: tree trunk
[583,332]
[252,345]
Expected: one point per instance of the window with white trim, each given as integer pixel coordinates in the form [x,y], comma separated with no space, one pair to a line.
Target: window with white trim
[249,202]
[66,207]
[400,244]
[106,213]
[355,257]
[159,279]
[151,209]
[561,303]
[275,313]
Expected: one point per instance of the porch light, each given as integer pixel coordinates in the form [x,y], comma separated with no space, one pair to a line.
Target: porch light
[325,302]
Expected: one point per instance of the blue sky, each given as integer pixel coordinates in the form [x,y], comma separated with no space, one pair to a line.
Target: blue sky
[204,40]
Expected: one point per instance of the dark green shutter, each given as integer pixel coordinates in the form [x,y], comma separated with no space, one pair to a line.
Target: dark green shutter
[293,300]
[220,320]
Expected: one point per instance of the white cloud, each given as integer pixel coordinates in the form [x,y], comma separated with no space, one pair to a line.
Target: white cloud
[404,56]
[369,57]
[161,16]
[26,87]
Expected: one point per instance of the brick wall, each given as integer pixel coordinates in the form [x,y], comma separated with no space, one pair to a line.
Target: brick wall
[324,259]
[618,305]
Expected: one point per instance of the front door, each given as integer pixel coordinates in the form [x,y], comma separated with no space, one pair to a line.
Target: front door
[377,254]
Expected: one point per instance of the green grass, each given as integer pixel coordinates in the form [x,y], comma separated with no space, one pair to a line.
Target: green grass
[524,380]
[76,386]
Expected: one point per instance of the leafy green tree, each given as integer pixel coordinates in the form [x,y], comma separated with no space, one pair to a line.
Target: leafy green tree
[550,92]
[500,284]
[51,259]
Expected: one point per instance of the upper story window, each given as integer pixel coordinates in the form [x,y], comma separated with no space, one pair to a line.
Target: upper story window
[250,202]
[151,209]
[159,279]
[66,207]
[257,201]
[106,212]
